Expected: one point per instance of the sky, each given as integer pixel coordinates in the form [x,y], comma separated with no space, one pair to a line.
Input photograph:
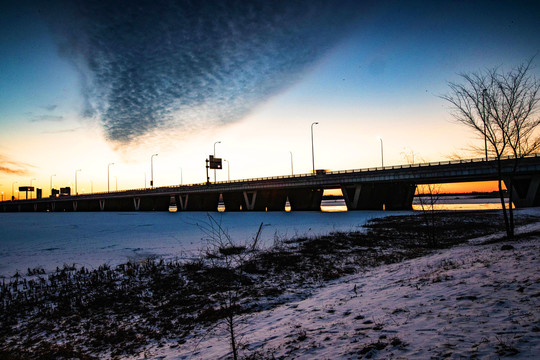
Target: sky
[84,84]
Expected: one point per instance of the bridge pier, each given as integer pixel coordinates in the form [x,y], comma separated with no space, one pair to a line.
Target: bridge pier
[255,200]
[181,201]
[197,202]
[306,199]
[383,196]
[525,190]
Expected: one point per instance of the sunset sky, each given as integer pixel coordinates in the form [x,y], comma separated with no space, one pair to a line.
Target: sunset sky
[88,83]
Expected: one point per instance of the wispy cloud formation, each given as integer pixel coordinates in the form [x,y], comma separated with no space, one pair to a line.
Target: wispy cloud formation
[50,107]
[53,118]
[13,168]
[149,65]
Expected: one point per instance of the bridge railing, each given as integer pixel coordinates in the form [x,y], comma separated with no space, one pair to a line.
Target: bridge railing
[162,189]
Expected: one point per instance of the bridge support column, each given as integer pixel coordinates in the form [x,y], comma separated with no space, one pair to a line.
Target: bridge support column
[255,200]
[305,199]
[75,205]
[101,204]
[53,206]
[136,203]
[181,201]
[385,196]
[525,191]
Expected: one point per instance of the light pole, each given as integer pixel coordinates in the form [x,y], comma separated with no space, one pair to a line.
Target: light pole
[51,182]
[312,147]
[108,175]
[13,191]
[152,170]
[2,196]
[382,153]
[228,170]
[181,177]
[76,171]
[116,180]
[217,142]
[292,169]
[91,186]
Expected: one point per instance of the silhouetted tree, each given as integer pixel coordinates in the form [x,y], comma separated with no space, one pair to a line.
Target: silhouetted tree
[500,107]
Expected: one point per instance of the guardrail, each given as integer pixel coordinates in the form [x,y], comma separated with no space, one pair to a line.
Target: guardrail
[191,187]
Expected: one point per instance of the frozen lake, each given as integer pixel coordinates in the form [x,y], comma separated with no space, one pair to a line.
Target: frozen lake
[29,240]
[51,239]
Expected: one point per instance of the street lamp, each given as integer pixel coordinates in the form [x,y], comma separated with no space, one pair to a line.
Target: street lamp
[181,177]
[292,169]
[76,171]
[228,170]
[312,147]
[152,170]
[12,191]
[51,182]
[217,142]
[382,154]
[108,173]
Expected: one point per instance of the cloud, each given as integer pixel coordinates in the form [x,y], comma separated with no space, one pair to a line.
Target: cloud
[62,131]
[13,168]
[50,107]
[39,118]
[153,65]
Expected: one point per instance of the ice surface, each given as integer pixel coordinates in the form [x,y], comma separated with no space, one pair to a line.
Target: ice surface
[93,238]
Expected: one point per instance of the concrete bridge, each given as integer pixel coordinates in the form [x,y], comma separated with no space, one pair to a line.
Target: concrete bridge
[390,188]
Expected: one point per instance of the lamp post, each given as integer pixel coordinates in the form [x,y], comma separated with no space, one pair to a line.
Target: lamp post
[228,170]
[181,177]
[116,180]
[108,175]
[51,182]
[91,186]
[292,169]
[382,153]
[76,171]
[217,142]
[152,170]
[13,191]
[2,196]
[312,147]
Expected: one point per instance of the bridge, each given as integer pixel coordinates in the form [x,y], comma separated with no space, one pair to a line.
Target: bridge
[389,188]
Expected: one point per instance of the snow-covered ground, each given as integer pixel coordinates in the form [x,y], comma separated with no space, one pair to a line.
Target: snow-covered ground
[91,239]
[471,301]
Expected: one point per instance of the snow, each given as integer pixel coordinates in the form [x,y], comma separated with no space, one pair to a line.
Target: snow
[474,300]
[91,239]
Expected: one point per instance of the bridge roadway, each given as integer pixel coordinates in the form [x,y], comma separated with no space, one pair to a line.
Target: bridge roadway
[390,188]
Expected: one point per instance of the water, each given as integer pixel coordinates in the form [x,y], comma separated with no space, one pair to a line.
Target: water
[90,239]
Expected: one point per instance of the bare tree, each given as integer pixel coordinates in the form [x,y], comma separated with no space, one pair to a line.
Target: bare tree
[500,107]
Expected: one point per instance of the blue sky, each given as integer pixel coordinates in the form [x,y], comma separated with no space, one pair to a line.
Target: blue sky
[82,84]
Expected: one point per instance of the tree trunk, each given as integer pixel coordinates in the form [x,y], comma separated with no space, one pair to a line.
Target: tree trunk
[509,233]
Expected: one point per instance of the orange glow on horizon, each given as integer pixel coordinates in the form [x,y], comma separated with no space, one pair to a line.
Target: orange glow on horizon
[450,188]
